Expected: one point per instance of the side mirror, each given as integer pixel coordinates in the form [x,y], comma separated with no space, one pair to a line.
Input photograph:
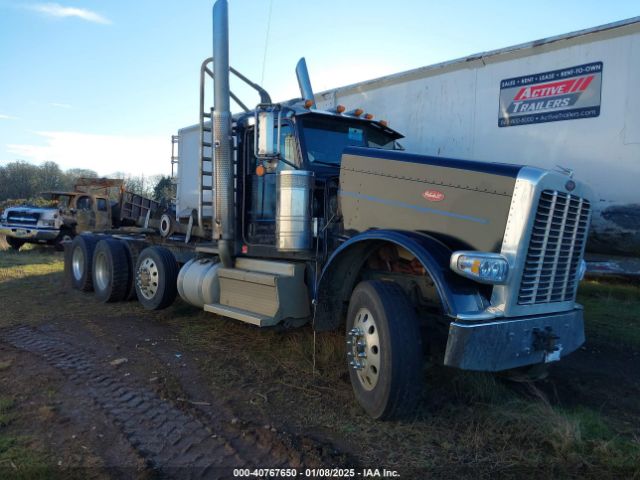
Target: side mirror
[267,145]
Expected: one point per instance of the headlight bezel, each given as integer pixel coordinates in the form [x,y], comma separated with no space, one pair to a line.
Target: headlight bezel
[48,222]
[482,267]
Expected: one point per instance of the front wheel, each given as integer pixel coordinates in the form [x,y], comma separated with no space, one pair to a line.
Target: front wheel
[15,243]
[384,350]
[156,278]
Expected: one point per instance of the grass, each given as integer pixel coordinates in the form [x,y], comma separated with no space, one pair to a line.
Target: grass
[6,404]
[30,261]
[612,312]
[19,457]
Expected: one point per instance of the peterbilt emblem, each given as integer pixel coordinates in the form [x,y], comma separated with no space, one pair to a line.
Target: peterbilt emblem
[433,195]
[570,185]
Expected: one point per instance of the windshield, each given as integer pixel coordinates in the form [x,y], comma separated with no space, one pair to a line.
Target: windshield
[326,138]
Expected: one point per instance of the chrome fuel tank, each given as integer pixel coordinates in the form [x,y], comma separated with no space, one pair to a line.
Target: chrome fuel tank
[293,210]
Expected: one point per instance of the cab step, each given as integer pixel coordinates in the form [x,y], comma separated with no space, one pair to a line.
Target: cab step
[239,314]
[262,292]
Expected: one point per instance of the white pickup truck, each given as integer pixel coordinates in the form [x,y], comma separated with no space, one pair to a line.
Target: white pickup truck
[30,224]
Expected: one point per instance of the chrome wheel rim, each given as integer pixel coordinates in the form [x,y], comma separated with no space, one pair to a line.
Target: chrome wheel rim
[102,271]
[363,349]
[77,263]
[147,278]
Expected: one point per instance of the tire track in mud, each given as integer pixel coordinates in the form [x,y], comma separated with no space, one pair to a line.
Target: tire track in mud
[175,442]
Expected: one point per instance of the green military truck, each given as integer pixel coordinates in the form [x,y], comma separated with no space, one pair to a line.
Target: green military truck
[289,215]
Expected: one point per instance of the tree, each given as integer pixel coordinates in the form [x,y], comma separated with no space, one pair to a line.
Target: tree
[22,180]
[19,180]
[50,177]
[163,190]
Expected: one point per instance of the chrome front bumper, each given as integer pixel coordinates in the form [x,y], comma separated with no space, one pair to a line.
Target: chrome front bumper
[29,234]
[513,342]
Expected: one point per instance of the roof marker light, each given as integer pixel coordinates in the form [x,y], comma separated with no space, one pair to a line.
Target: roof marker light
[340,108]
[308,104]
[358,111]
[384,123]
[368,116]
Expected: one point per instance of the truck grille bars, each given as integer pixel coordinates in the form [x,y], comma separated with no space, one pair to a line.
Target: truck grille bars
[23,218]
[557,243]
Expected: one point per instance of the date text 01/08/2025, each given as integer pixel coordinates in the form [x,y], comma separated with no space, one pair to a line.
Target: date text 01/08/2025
[315,473]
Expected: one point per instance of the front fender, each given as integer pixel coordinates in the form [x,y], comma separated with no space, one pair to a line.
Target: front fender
[340,273]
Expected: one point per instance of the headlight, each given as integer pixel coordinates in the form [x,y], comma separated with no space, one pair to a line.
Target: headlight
[482,267]
[49,223]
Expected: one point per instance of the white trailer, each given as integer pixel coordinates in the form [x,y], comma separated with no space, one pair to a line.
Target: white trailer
[570,100]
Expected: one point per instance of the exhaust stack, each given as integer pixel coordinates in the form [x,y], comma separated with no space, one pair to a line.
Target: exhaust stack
[304,82]
[222,148]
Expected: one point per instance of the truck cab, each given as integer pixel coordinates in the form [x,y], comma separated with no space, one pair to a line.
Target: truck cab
[303,140]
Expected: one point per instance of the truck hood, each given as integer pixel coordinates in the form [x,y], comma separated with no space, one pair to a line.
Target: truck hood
[30,210]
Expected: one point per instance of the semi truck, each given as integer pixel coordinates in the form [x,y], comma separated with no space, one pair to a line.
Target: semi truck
[567,100]
[90,207]
[287,214]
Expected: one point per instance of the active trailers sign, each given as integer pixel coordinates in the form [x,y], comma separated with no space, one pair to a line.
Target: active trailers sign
[567,94]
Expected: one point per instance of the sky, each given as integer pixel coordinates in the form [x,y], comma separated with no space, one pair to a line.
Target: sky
[103,84]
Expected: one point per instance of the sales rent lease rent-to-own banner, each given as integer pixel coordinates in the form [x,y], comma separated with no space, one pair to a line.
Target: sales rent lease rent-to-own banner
[567,94]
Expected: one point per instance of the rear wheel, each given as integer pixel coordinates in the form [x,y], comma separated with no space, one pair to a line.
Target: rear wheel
[81,259]
[134,248]
[110,270]
[156,278]
[15,243]
[384,350]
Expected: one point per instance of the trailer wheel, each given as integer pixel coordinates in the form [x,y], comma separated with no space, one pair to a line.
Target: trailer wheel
[81,259]
[156,278]
[384,350]
[110,270]
[15,243]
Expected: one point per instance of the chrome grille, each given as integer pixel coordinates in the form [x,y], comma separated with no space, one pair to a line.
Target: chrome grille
[556,246]
[23,218]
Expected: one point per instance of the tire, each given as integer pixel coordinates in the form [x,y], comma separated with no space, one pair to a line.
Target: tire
[65,236]
[111,272]
[384,350]
[15,243]
[81,262]
[134,248]
[156,278]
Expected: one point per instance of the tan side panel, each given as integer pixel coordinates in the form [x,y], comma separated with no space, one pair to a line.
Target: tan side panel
[378,193]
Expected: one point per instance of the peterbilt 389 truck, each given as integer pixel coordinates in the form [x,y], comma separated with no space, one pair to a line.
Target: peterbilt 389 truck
[289,215]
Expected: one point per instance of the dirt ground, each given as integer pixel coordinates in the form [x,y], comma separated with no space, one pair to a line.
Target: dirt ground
[111,391]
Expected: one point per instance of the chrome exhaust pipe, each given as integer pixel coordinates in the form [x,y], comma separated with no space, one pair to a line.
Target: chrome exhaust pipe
[222,141]
[304,82]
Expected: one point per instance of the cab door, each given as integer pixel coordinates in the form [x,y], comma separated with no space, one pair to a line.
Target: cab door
[260,186]
[85,216]
[103,214]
